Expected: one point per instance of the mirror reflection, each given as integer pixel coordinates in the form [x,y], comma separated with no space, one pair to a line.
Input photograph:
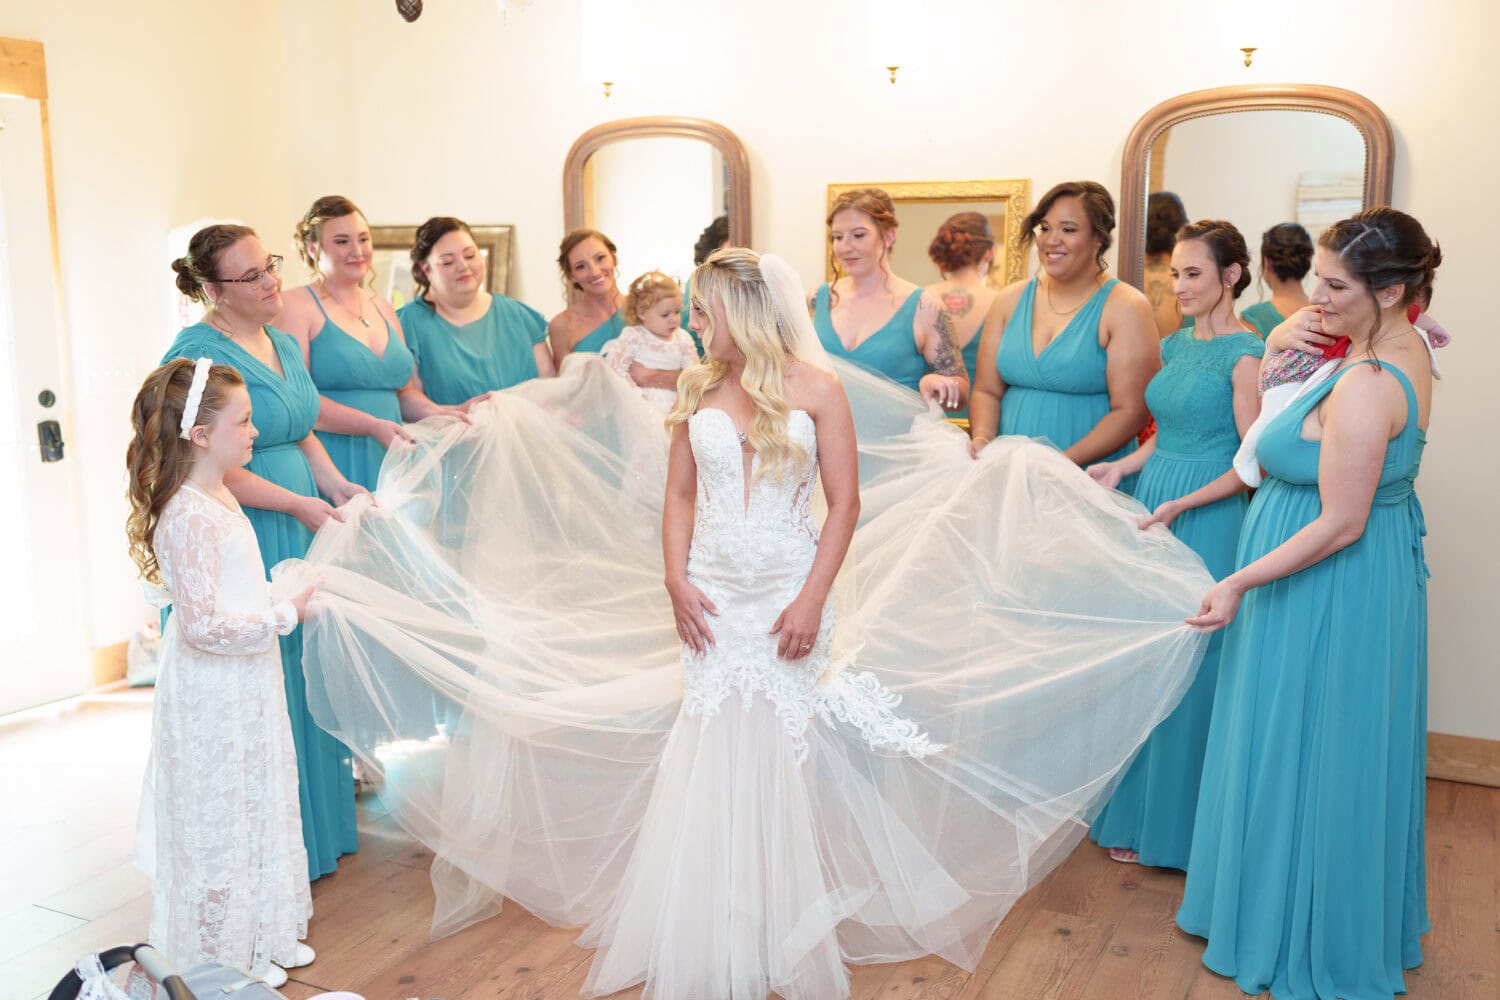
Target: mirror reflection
[1259,169]
[655,196]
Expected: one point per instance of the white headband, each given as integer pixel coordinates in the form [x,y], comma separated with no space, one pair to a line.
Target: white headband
[195,395]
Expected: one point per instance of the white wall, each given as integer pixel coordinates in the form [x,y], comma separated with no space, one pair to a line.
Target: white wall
[460,115]
[653,197]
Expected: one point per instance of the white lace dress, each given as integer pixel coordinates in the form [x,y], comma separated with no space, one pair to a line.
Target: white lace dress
[638,345]
[220,832]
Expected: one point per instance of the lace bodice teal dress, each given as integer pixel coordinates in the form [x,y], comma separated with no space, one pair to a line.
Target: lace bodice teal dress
[1061,393]
[890,351]
[348,372]
[1307,873]
[1192,399]
[457,363]
[284,407]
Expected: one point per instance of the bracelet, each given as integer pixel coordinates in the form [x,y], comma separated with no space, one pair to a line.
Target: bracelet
[976,440]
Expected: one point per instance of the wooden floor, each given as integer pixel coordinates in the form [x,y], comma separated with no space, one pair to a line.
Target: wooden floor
[69,780]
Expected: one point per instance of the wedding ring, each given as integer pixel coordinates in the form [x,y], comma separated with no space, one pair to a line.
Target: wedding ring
[807,645]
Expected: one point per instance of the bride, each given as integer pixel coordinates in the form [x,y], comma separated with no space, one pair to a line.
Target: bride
[859,742]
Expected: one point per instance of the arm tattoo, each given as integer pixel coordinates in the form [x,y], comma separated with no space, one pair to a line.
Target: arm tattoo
[942,355]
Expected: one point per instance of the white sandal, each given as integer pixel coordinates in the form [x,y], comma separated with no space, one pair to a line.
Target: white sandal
[302,955]
[275,977]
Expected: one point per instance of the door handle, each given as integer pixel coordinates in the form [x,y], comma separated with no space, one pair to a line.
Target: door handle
[49,436]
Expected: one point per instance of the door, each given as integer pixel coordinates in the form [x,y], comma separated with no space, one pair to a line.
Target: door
[43,647]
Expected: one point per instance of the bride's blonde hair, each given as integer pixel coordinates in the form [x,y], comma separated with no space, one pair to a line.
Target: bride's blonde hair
[732,276]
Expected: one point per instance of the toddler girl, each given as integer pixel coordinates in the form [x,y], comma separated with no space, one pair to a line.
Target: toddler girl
[653,349]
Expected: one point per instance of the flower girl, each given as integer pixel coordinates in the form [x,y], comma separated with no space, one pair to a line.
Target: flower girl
[653,349]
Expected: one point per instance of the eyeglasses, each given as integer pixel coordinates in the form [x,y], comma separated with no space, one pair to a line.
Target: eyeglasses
[272,268]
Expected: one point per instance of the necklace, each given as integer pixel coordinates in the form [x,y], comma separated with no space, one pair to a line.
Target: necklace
[1067,312]
[360,315]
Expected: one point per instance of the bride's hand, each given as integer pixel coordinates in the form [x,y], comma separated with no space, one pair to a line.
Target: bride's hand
[798,627]
[688,606]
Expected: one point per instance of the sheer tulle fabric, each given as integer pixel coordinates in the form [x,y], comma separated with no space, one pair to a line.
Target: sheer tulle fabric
[495,640]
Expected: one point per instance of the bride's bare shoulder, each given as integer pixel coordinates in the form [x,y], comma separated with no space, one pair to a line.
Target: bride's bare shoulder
[812,388]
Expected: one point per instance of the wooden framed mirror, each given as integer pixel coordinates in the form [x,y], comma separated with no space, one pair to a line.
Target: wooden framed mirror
[1256,155]
[653,185]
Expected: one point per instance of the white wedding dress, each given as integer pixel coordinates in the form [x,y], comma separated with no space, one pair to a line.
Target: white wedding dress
[1001,640]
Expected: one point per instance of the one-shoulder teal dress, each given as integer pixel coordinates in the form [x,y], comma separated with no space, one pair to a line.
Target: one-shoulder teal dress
[1062,393]
[1307,874]
[284,408]
[457,363]
[348,372]
[600,335]
[890,351]
[1192,399]
[1264,317]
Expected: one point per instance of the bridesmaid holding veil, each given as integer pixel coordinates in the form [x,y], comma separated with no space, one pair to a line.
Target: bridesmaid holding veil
[876,319]
[964,252]
[587,259]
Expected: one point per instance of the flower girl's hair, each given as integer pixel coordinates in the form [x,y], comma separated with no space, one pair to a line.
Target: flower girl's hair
[646,291]
[160,454]
[732,275]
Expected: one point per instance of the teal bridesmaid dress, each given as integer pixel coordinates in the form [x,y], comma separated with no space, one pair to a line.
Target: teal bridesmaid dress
[457,363]
[890,351]
[1060,394]
[1192,399]
[348,372]
[1307,874]
[284,409]
[970,354]
[600,335]
[1264,317]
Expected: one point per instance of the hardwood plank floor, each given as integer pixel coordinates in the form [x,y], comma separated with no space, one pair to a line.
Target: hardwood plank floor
[1092,929]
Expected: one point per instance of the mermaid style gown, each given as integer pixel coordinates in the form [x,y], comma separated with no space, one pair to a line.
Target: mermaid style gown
[890,351]
[1062,393]
[1308,868]
[1264,317]
[284,409]
[348,372]
[457,363]
[1192,399]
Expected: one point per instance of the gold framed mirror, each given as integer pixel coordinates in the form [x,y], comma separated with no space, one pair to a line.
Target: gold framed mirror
[922,206]
[1256,155]
[653,185]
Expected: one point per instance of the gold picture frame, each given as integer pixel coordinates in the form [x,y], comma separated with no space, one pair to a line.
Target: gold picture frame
[391,262]
[1008,198]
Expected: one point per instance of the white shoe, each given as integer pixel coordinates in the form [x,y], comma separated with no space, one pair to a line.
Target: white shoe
[275,977]
[302,955]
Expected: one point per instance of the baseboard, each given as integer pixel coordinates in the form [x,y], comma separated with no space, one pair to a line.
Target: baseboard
[109,664]
[1463,758]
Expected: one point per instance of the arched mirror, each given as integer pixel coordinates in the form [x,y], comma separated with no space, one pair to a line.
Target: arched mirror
[1257,156]
[653,185]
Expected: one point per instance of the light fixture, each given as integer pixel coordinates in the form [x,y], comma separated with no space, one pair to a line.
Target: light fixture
[1248,33]
[606,37]
[890,35]
[1249,51]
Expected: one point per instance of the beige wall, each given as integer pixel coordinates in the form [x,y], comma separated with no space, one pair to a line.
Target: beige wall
[457,114]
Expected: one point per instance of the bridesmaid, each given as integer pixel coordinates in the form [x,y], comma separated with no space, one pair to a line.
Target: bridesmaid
[587,261]
[878,320]
[467,341]
[1066,355]
[1286,254]
[715,236]
[964,252]
[1203,399]
[1307,874]
[228,269]
[351,343]
[1164,217]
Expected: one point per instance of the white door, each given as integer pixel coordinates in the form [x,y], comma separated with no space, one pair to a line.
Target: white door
[43,648]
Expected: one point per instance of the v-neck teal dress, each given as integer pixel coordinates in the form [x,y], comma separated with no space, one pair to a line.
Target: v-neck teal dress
[348,372]
[890,351]
[1308,866]
[284,408]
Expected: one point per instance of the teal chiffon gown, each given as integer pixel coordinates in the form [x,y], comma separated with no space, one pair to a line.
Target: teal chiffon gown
[457,363]
[1060,394]
[970,354]
[348,372]
[1264,317]
[600,335]
[1307,874]
[890,351]
[1192,399]
[284,409]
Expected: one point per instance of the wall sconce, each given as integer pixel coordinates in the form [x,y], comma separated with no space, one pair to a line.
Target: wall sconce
[1247,34]
[890,34]
[606,38]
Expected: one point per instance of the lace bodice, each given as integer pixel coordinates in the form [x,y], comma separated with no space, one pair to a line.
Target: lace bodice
[1192,397]
[750,554]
